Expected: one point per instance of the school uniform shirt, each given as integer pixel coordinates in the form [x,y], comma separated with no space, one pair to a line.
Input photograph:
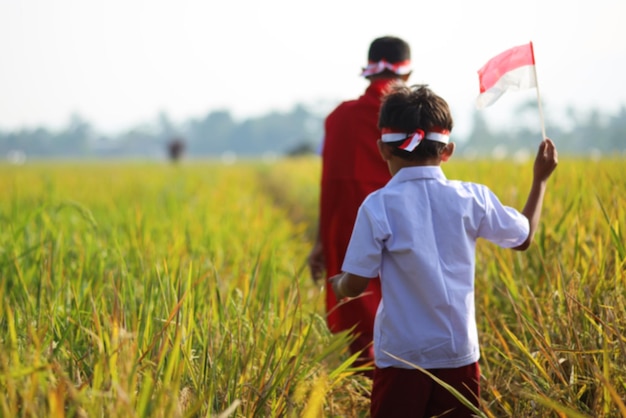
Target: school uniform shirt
[419,233]
[351,169]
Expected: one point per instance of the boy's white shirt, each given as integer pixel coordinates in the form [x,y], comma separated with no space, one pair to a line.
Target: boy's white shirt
[419,234]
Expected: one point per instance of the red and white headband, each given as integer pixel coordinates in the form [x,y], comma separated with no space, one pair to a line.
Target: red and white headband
[413,139]
[400,68]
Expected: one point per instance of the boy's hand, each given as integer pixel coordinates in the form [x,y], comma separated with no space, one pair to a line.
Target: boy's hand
[546,161]
[334,282]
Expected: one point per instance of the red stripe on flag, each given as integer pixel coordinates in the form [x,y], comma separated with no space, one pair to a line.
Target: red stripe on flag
[504,62]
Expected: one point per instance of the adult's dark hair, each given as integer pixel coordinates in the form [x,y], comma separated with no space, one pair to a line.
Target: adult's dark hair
[391,49]
[406,109]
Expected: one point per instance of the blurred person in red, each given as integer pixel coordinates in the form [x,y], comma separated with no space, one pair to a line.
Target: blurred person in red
[352,169]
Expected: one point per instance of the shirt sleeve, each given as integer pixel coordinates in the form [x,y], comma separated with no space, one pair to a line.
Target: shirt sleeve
[364,253]
[502,225]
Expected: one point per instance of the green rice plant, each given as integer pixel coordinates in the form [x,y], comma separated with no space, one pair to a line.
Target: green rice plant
[551,330]
[148,290]
[294,185]
[549,318]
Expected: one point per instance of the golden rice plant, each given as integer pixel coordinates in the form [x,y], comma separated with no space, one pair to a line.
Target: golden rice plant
[152,290]
[144,289]
[551,319]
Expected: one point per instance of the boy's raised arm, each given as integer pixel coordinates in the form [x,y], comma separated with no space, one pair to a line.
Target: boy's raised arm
[545,163]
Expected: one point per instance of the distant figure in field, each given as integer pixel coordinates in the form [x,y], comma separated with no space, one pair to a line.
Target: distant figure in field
[419,233]
[351,169]
[175,149]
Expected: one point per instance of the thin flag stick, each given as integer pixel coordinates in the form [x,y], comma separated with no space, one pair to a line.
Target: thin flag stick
[543,127]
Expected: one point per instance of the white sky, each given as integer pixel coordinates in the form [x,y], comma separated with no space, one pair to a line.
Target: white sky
[118,63]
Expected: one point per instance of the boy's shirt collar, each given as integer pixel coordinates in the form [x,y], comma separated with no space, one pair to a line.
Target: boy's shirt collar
[418,173]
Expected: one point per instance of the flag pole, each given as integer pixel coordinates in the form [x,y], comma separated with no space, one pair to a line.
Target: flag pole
[543,127]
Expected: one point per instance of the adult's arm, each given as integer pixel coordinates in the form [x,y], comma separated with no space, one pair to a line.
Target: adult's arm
[316,261]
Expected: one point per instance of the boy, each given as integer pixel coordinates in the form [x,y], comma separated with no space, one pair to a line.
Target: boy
[419,233]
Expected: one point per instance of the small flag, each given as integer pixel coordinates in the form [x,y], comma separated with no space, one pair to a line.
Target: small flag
[513,69]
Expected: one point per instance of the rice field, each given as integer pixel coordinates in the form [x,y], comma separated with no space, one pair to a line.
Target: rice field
[144,289]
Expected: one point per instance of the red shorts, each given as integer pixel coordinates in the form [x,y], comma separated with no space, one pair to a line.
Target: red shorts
[411,393]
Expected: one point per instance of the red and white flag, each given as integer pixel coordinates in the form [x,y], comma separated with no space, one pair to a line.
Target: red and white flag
[513,69]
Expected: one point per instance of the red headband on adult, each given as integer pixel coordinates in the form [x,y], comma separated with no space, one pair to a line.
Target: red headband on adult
[400,68]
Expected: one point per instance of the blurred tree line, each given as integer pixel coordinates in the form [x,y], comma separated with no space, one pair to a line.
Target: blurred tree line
[300,131]
[590,133]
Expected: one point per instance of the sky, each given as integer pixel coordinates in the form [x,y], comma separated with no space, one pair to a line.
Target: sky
[120,63]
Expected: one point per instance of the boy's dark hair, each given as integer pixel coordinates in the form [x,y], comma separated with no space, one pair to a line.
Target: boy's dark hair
[407,109]
[391,49]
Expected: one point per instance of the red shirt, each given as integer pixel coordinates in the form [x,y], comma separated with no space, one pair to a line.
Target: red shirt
[352,168]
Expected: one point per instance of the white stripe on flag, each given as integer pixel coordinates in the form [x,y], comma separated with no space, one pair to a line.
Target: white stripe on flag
[518,79]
